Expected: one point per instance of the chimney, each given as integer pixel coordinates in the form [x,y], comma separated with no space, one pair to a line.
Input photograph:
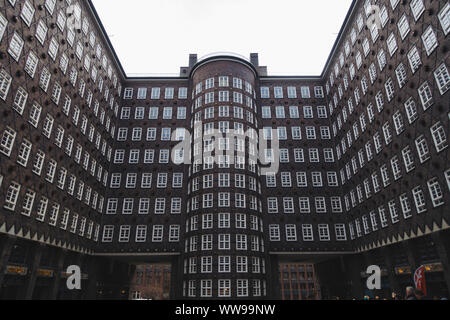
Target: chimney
[192,60]
[254,59]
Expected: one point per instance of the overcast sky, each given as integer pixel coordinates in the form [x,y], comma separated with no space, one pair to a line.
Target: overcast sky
[292,37]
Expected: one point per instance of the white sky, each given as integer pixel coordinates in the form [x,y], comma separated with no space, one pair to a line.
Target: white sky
[292,37]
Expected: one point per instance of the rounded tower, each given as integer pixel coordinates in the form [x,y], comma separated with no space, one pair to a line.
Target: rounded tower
[224,254]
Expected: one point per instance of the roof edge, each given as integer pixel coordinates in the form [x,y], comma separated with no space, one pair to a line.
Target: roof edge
[223,57]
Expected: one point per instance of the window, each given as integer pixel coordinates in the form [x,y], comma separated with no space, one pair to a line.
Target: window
[429,40]
[35,114]
[266,113]
[224,287]
[392,44]
[414,59]
[61,21]
[336,205]
[291,233]
[304,205]
[242,288]
[27,13]
[394,3]
[318,91]
[288,205]
[408,159]
[340,232]
[237,83]
[320,205]
[157,235]
[156,92]
[44,80]
[400,71]
[223,82]
[136,134]
[447,178]
[385,175]
[419,199]
[139,113]
[405,205]
[278,92]
[224,96]
[167,113]
[5,83]
[292,92]
[293,112]
[381,59]
[272,205]
[24,153]
[366,49]
[31,64]
[444,18]
[42,209]
[435,192]
[439,137]
[403,27]
[241,264]
[206,287]
[38,162]
[174,233]
[282,134]
[53,48]
[181,113]
[305,92]
[307,231]
[417,8]
[7,141]
[142,93]
[15,46]
[128,93]
[182,93]
[124,233]
[296,133]
[324,232]
[141,233]
[389,86]
[426,96]
[398,122]
[11,196]
[374,33]
[422,149]
[108,232]
[442,78]
[50,6]
[3,24]
[274,232]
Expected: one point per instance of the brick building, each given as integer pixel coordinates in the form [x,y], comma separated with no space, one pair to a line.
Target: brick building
[299,282]
[225,172]
[151,282]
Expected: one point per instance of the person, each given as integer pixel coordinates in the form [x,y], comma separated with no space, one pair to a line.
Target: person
[419,294]
[410,294]
[395,296]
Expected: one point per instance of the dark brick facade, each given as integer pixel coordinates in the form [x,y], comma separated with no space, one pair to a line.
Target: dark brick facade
[87,176]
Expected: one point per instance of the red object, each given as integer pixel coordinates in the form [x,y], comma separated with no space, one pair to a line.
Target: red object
[419,279]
